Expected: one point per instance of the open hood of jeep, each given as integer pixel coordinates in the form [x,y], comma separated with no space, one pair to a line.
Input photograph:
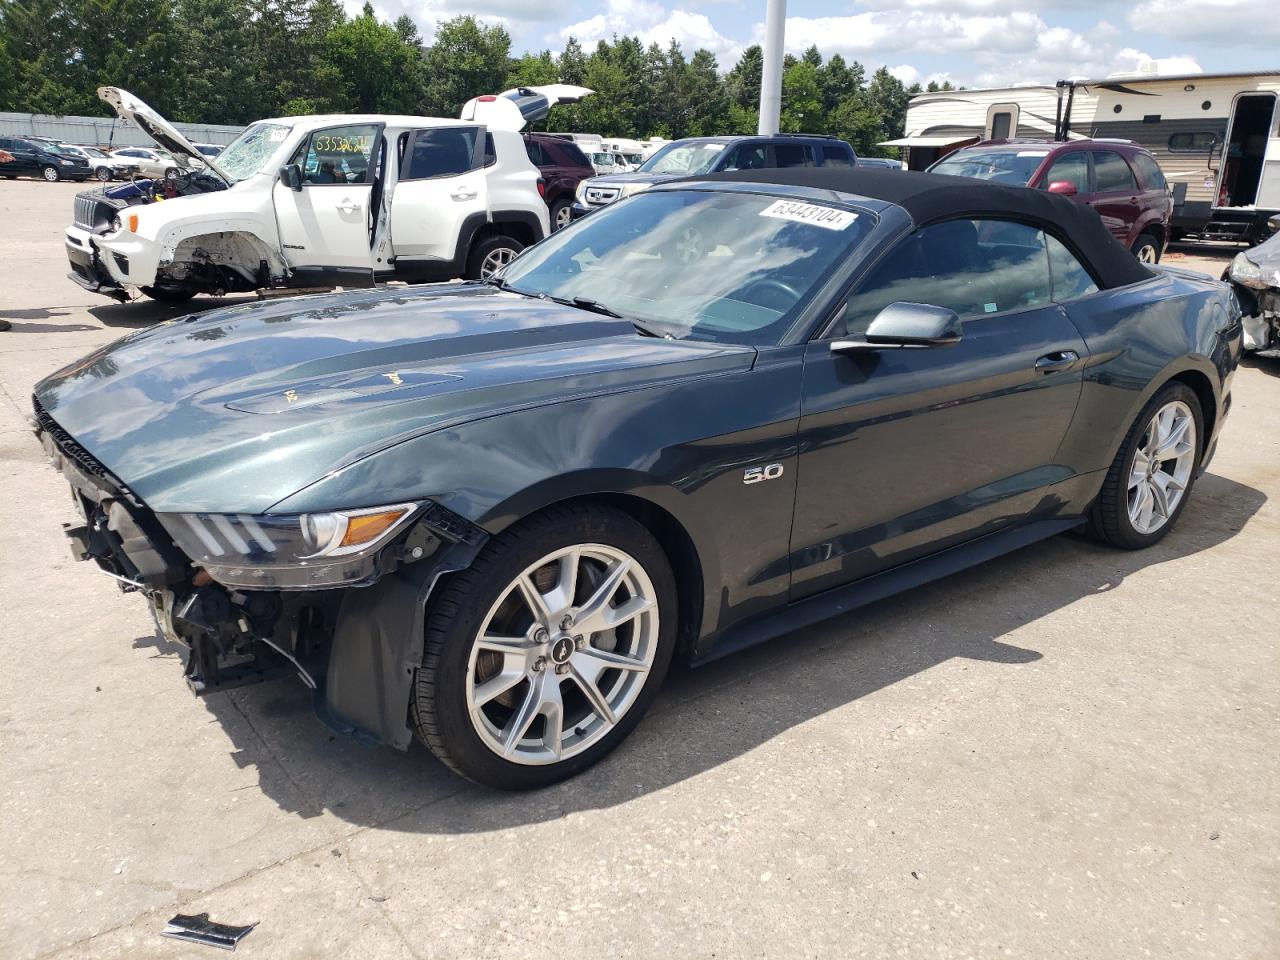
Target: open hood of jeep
[512,109]
[130,108]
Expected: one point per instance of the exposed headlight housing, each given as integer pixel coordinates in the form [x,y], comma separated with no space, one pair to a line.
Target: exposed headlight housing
[309,551]
[116,223]
[1247,273]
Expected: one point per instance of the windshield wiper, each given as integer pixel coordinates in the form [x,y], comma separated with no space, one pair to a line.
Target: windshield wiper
[595,306]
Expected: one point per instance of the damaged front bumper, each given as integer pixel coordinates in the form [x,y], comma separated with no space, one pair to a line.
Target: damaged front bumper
[88,267]
[358,647]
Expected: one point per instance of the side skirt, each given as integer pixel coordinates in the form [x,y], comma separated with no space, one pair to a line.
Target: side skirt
[823,606]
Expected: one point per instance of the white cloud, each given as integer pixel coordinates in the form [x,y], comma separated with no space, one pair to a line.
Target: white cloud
[1230,23]
[653,23]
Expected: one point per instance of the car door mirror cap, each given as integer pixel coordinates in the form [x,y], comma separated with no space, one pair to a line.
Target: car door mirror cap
[291,176]
[1063,188]
[906,326]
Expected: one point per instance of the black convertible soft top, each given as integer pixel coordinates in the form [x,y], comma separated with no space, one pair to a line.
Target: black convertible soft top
[930,197]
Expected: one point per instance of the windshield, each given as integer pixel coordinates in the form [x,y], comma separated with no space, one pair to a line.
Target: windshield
[92,151]
[1009,165]
[62,149]
[248,153]
[688,157]
[696,264]
[602,159]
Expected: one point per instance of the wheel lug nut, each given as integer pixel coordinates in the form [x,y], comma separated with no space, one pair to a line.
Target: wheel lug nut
[566,623]
[579,642]
[561,669]
[541,635]
[539,665]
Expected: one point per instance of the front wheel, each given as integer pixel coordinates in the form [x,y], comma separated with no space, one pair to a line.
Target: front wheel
[490,255]
[171,173]
[1151,477]
[1147,248]
[165,295]
[50,173]
[545,653]
[103,174]
[561,214]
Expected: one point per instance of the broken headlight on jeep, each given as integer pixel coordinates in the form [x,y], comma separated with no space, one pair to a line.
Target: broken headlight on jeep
[309,551]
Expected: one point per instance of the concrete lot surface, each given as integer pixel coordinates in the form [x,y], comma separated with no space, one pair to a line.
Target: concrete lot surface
[1070,752]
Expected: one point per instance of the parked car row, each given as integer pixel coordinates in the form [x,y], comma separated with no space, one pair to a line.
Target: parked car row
[53,160]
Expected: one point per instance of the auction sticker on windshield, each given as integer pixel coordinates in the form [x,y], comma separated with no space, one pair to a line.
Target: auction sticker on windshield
[829,218]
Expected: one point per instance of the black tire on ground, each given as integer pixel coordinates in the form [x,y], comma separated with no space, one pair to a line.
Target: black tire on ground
[161,295]
[1147,248]
[1109,516]
[439,710]
[560,214]
[483,248]
[50,173]
[103,174]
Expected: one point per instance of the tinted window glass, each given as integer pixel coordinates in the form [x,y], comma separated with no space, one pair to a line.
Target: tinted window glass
[1071,167]
[1110,172]
[1000,125]
[573,156]
[792,155]
[1070,278]
[1149,171]
[974,267]
[442,152]
[1201,142]
[490,151]
[536,154]
[1000,165]
[748,156]
[836,155]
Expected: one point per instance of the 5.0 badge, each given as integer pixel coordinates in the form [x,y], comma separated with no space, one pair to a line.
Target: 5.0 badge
[759,474]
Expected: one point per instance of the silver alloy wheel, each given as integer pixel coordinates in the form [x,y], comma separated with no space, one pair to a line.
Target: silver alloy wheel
[1147,252]
[50,174]
[495,260]
[563,654]
[564,216]
[689,245]
[1161,468]
[103,174]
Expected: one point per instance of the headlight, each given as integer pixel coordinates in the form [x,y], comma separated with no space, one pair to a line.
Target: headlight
[582,189]
[1247,273]
[297,552]
[65,163]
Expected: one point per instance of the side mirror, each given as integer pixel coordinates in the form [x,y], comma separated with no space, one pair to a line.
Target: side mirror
[904,326]
[291,176]
[1064,188]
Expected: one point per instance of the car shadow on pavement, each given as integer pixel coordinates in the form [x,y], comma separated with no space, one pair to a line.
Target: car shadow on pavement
[1268,365]
[712,715]
[142,312]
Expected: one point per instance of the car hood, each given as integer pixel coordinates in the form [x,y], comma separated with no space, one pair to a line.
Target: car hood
[1267,256]
[131,108]
[237,409]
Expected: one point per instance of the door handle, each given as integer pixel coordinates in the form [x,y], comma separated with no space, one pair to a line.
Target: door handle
[465,193]
[1059,360]
[347,206]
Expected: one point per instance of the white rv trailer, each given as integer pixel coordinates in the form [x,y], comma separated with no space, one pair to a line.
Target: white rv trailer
[1215,136]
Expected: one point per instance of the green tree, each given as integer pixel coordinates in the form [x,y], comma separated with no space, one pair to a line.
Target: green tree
[531,69]
[380,72]
[467,59]
[215,75]
[801,99]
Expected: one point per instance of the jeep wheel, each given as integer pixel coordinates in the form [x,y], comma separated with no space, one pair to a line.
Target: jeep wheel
[544,654]
[561,215]
[1147,248]
[490,255]
[103,174]
[50,173]
[166,295]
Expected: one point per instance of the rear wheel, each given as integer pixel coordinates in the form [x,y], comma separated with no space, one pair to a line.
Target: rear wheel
[544,654]
[1153,472]
[1147,248]
[50,173]
[490,255]
[561,215]
[165,295]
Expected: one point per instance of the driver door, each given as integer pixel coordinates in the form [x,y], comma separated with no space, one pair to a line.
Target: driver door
[326,225]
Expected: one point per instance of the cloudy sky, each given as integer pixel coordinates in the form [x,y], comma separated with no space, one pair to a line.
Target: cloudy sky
[974,42]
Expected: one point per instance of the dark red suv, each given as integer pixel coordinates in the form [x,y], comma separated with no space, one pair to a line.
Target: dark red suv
[563,167]
[1119,179]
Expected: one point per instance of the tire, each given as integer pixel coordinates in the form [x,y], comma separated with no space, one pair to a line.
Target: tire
[50,173]
[1112,517]
[162,295]
[171,173]
[486,599]
[561,214]
[103,174]
[1147,248]
[489,251]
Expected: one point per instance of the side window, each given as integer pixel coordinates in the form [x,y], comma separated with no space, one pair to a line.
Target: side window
[1149,171]
[1071,167]
[974,267]
[537,155]
[836,155]
[1070,278]
[1110,172]
[441,152]
[573,155]
[490,151]
[792,155]
[1197,142]
[747,156]
[1001,124]
[337,155]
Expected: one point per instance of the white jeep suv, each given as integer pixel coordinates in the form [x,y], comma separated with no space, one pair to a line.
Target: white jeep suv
[320,201]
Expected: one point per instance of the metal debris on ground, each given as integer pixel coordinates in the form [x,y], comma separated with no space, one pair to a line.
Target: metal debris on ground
[200,929]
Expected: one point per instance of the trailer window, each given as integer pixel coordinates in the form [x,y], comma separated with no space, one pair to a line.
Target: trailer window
[1197,142]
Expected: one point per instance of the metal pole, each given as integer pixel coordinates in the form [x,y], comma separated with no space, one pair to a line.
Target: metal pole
[775,21]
